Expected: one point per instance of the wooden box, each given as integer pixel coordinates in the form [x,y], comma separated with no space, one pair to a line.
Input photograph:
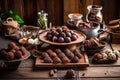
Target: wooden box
[116,38]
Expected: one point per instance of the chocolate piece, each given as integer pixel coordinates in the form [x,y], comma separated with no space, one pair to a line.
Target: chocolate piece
[56,60]
[10,56]
[61,39]
[23,49]
[65,60]
[61,55]
[75,59]
[68,53]
[44,54]
[48,60]
[51,73]
[51,53]
[12,45]
[77,53]
[3,53]
[18,54]
[58,51]
[70,74]
[67,39]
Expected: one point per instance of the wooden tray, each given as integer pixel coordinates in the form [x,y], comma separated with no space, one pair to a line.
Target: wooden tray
[83,62]
[81,37]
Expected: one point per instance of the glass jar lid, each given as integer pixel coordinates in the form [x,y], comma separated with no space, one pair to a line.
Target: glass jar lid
[75,16]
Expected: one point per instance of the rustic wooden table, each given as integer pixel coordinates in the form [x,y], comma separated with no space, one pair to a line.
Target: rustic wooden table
[26,70]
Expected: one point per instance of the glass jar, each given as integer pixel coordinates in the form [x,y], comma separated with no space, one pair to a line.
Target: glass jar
[94,13]
[74,18]
[42,20]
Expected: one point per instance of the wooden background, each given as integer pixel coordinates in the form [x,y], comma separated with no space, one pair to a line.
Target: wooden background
[59,9]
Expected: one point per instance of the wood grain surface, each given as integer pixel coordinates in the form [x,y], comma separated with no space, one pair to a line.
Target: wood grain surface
[59,9]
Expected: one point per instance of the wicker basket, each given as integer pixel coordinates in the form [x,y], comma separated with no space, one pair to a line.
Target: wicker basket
[9,26]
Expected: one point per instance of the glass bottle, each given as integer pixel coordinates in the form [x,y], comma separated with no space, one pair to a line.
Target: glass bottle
[94,13]
[42,20]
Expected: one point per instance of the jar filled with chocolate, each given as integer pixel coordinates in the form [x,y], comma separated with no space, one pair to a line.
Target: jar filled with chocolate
[73,19]
[94,13]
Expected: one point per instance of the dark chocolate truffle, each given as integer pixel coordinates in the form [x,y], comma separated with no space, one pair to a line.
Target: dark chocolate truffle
[65,60]
[75,59]
[18,54]
[77,53]
[61,55]
[10,56]
[48,60]
[70,74]
[58,51]
[3,53]
[12,45]
[44,54]
[51,53]
[68,53]
[56,60]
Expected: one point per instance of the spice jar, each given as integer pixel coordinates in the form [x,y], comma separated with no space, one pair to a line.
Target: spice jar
[94,13]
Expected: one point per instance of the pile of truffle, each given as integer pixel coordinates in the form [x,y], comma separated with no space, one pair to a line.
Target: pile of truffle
[93,42]
[86,25]
[106,56]
[13,52]
[61,35]
[60,56]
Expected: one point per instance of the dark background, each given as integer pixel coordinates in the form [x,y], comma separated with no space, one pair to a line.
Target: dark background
[59,9]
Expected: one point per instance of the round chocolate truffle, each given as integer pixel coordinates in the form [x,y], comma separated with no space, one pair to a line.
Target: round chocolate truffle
[58,51]
[51,53]
[3,53]
[75,59]
[61,39]
[77,53]
[56,60]
[18,54]
[61,55]
[70,74]
[65,60]
[44,54]
[48,60]
[67,39]
[10,56]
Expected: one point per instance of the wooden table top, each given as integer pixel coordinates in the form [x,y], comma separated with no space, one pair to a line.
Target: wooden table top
[27,71]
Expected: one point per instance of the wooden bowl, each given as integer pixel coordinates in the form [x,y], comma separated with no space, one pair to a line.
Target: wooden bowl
[81,38]
[94,49]
[14,64]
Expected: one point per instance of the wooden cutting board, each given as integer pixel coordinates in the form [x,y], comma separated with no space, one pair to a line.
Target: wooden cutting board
[83,62]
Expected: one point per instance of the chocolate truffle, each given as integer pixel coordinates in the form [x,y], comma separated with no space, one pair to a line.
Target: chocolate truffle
[77,53]
[3,53]
[18,54]
[56,60]
[10,56]
[48,60]
[58,51]
[44,54]
[65,60]
[61,55]
[51,53]
[70,74]
[68,53]
[75,59]
[12,45]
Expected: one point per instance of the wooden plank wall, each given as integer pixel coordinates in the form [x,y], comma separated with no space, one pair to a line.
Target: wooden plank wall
[59,9]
